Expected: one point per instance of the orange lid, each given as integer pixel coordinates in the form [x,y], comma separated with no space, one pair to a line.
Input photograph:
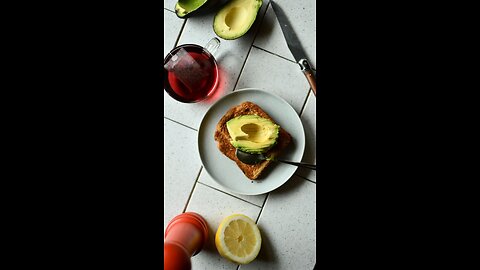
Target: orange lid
[194,219]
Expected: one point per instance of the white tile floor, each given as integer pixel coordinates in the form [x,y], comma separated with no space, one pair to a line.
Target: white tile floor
[171,30]
[260,59]
[207,180]
[170,5]
[213,206]
[288,228]
[263,70]
[303,20]
[180,152]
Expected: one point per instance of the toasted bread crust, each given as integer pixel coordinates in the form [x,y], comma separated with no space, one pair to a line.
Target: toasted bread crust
[222,137]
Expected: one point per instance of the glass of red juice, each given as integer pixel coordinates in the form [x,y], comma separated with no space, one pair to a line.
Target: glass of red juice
[191,72]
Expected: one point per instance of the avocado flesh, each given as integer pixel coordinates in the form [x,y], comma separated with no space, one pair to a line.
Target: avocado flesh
[183,8]
[236,18]
[252,134]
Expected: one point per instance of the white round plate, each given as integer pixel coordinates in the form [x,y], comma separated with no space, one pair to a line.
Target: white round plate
[225,171]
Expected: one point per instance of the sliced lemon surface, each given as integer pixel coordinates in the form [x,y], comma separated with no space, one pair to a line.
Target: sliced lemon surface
[238,239]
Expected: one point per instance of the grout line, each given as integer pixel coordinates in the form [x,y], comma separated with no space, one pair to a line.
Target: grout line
[191,192]
[278,55]
[229,194]
[275,54]
[179,123]
[272,53]
[304,178]
[259,25]
[180,33]
[309,89]
[243,66]
[258,217]
[261,210]
[306,100]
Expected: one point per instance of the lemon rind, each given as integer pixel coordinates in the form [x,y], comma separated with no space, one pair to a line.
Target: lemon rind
[223,249]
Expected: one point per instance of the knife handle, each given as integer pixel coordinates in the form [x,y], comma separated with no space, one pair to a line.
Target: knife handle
[307,71]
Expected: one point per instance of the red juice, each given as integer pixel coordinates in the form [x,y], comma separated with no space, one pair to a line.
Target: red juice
[193,77]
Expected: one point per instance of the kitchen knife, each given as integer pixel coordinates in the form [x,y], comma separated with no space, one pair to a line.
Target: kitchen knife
[295,46]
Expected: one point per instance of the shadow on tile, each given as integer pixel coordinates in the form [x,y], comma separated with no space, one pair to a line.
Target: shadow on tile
[266,253]
[267,25]
[257,26]
[310,144]
[210,246]
[293,183]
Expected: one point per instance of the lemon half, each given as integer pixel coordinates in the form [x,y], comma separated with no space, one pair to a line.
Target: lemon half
[238,239]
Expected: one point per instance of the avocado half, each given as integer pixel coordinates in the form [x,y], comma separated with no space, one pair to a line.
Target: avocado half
[187,8]
[252,133]
[235,18]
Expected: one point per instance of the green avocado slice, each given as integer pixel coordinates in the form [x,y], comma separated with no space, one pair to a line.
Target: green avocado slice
[235,18]
[252,133]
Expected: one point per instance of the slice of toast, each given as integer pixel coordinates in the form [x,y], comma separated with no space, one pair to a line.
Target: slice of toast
[222,137]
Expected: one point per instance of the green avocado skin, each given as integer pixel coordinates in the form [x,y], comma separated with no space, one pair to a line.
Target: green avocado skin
[201,8]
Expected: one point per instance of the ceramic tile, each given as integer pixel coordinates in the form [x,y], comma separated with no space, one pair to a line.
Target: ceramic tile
[169,4]
[309,120]
[171,30]
[303,19]
[287,224]
[230,56]
[287,221]
[214,206]
[206,179]
[274,74]
[182,165]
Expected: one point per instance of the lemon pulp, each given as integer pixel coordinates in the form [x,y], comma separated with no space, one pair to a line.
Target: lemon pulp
[238,239]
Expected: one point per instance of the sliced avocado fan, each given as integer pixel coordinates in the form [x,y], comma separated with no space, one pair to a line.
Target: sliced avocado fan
[235,18]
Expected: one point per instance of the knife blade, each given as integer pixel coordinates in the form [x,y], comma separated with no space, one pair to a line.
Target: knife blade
[295,46]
